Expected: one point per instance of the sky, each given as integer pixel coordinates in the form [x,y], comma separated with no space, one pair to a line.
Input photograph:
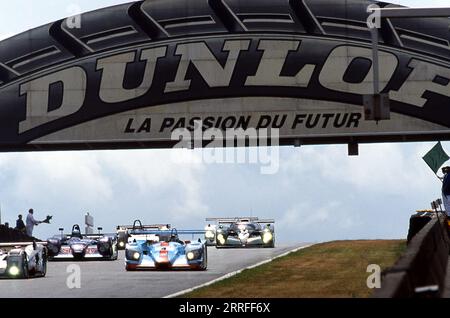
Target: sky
[319,193]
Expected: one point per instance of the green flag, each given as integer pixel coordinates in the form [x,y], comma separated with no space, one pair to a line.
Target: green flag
[436,157]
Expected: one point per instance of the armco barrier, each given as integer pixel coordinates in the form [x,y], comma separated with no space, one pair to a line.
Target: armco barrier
[424,264]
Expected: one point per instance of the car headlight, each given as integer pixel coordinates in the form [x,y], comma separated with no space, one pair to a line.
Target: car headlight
[209,234]
[132,255]
[221,239]
[267,237]
[190,256]
[14,271]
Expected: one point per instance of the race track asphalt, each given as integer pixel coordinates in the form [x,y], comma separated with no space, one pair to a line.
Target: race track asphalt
[108,279]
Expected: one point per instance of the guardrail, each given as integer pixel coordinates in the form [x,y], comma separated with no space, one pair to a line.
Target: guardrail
[421,271]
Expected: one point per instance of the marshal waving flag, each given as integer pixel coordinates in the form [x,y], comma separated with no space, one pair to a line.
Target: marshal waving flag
[436,157]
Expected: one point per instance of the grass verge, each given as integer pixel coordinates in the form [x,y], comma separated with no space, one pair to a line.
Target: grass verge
[333,269]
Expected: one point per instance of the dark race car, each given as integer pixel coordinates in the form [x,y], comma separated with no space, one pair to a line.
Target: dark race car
[79,247]
[242,232]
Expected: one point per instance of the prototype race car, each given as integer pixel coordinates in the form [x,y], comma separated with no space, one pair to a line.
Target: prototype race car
[163,249]
[210,234]
[242,232]
[23,260]
[123,235]
[79,247]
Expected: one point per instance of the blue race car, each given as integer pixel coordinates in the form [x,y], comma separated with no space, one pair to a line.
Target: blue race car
[163,249]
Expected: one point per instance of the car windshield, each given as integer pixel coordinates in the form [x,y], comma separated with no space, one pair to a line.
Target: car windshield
[241,226]
[164,238]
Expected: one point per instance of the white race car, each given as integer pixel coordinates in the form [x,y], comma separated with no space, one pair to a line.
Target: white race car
[241,232]
[23,260]
[210,234]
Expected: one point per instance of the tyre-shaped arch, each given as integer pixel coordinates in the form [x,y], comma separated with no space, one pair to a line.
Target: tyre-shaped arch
[132,74]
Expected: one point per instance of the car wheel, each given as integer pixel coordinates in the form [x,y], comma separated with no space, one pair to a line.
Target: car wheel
[44,264]
[205,260]
[25,271]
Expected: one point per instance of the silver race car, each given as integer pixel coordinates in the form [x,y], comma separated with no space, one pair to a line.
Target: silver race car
[23,260]
[80,247]
[241,232]
[210,234]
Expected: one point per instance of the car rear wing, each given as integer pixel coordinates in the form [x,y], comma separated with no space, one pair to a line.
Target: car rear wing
[86,236]
[266,221]
[240,219]
[98,236]
[89,236]
[233,219]
[167,232]
[147,226]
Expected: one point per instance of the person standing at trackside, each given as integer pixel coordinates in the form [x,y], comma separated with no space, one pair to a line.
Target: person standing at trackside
[446,189]
[20,226]
[31,222]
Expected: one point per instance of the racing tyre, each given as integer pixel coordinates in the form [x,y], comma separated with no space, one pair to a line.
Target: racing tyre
[44,265]
[204,265]
[25,271]
[116,253]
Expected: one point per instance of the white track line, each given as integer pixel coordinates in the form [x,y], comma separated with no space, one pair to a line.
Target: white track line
[235,272]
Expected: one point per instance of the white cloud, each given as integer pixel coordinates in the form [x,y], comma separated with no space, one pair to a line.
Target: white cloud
[40,176]
[378,168]
[153,171]
[325,220]
[115,186]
